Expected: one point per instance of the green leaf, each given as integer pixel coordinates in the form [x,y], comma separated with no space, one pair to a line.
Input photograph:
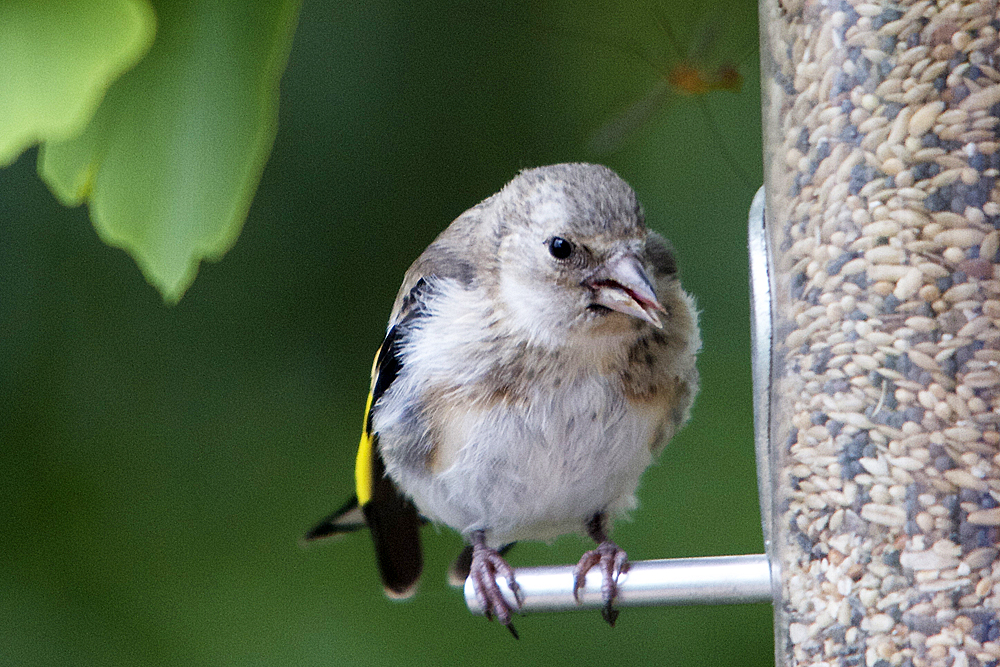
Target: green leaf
[173,156]
[58,60]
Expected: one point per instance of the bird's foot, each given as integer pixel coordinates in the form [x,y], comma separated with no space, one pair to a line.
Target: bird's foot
[487,564]
[613,562]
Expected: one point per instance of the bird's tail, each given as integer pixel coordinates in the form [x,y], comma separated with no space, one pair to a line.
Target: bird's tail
[348,519]
[394,525]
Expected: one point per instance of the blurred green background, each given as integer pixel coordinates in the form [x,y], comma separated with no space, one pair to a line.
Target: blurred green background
[159,464]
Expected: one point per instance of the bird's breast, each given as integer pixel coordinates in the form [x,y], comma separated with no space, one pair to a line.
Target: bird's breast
[531,469]
[483,432]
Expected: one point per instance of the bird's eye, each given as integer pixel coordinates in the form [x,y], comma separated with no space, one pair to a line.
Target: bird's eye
[560,248]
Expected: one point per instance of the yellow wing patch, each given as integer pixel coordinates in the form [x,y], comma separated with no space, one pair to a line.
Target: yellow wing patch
[363,464]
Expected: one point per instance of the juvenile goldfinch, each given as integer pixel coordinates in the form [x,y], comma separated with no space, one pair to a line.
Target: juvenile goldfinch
[540,354]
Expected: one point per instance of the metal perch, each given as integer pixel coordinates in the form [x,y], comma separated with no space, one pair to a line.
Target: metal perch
[715,580]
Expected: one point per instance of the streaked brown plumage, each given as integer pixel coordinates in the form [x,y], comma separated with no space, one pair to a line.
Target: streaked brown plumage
[540,352]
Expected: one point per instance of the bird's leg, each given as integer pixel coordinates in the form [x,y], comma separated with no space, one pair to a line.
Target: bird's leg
[486,564]
[462,565]
[613,562]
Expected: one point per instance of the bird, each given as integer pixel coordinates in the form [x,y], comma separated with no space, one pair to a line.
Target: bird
[539,355]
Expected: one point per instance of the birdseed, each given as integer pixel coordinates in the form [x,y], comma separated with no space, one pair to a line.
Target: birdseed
[883,154]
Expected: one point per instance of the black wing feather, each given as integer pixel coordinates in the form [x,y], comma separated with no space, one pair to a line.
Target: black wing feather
[347,519]
[395,529]
[393,520]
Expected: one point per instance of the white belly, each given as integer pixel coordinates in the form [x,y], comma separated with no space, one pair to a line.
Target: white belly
[536,473]
[535,466]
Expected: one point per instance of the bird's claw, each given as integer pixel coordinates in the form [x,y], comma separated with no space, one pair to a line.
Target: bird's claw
[486,565]
[613,562]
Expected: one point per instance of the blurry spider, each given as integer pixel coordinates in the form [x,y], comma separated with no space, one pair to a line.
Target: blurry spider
[693,73]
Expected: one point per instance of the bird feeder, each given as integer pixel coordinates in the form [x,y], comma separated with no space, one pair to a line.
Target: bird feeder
[881,159]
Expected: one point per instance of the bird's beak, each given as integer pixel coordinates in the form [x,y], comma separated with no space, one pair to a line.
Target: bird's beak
[622,284]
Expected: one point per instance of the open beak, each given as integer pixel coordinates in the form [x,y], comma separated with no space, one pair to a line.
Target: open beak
[623,285]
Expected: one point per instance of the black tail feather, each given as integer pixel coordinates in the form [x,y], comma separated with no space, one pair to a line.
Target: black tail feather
[347,519]
[395,527]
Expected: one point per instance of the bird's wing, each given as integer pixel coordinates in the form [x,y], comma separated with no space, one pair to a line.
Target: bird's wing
[392,518]
[377,503]
[385,367]
[462,253]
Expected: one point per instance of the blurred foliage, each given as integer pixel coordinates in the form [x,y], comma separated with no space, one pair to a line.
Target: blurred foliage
[59,60]
[170,160]
[160,464]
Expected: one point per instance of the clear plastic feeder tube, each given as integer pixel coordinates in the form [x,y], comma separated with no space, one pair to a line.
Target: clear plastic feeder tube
[882,157]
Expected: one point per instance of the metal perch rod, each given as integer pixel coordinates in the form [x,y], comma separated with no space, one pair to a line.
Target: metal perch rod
[713,580]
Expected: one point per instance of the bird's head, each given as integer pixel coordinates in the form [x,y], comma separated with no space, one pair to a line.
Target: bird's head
[575,256]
